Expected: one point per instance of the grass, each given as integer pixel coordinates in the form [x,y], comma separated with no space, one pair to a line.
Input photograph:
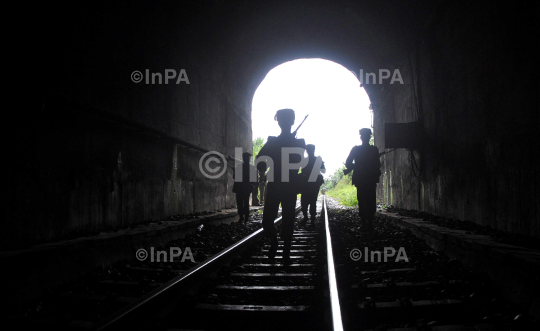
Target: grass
[344,192]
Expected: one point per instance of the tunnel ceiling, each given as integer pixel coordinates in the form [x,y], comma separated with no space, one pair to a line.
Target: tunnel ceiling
[367,35]
[241,41]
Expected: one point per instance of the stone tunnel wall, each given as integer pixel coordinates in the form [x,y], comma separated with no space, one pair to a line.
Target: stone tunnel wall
[83,167]
[82,174]
[477,104]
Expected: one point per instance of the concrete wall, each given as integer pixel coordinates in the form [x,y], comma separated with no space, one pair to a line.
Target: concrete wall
[477,103]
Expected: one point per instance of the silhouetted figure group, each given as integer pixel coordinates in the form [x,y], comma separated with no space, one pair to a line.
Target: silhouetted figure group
[282,156]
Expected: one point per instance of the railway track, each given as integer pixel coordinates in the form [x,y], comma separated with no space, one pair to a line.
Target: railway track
[428,291]
[82,303]
[240,288]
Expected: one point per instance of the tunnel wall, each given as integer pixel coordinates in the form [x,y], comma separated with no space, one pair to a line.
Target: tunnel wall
[90,159]
[470,83]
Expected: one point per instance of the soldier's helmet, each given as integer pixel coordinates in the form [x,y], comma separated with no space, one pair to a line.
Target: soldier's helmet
[365,132]
[310,148]
[285,116]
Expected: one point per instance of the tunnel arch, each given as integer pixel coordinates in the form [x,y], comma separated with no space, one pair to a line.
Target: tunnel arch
[326,91]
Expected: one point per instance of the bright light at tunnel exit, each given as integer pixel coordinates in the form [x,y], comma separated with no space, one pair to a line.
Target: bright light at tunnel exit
[337,106]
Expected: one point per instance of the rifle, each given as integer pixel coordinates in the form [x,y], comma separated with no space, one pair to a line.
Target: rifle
[230,158]
[382,153]
[295,131]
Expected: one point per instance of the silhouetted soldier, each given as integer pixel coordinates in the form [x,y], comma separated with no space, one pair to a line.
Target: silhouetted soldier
[311,187]
[278,189]
[365,177]
[243,187]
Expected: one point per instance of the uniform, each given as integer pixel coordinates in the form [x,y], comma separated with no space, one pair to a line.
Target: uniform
[365,177]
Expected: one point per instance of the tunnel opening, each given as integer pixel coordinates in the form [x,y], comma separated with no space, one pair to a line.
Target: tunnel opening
[328,92]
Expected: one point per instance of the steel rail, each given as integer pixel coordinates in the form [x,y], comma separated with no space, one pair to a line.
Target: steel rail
[133,310]
[337,324]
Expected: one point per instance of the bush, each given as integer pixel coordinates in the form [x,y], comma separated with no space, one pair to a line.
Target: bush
[333,180]
[344,192]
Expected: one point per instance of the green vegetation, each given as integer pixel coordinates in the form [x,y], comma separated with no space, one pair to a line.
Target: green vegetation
[333,180]
[257,145]
[344,192]
[339,186]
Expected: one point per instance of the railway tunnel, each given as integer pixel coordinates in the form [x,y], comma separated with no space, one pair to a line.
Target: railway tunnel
[136,92]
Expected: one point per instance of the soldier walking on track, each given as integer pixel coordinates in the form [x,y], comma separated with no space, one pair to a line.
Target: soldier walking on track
[243,187]
[365,177]
[313,183]
[279,189]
